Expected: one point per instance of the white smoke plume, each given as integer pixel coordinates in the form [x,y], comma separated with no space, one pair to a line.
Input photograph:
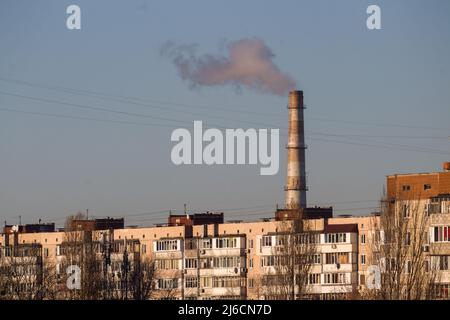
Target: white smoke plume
[248,63]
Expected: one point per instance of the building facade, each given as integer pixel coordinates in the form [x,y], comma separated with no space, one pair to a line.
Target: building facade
[327,258]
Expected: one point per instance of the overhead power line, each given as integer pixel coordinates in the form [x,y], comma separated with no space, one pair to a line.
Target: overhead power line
[55,115]
[82,106]
[391,146]
[144,102]
[134,100]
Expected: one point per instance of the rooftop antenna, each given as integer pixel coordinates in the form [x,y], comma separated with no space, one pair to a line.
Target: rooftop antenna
[185,211]
[20,219]
[87,214]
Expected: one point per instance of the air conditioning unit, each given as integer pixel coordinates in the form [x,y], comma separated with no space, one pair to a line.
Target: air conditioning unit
[426,248]
[203,290]
[248,250]
[334,246]
[203,251]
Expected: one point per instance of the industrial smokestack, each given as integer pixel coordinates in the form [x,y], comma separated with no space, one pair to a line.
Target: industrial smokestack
[296,175]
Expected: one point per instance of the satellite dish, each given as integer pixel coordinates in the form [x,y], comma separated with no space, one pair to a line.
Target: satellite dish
[15,228]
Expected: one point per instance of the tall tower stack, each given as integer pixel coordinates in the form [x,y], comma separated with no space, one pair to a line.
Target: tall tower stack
[296,175]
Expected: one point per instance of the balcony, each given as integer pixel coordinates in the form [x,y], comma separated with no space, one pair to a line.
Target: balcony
[230,291]
[344,267]
[338,247]
[222,252]
[337,288]
[222,271]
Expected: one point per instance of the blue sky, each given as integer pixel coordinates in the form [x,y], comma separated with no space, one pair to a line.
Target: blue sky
[378,103]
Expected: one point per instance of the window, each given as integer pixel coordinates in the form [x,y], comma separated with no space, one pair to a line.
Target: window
[443,262]
[226,282]
[314,278]
[406,187]
[335,237]
[307,238]
[168,264]
[266,241]
[250,244]
[442,291]
[405,211]
[220,262]
[226,262]
[191,282]
[280,240]
[335,278]
[314,259]
[144,248]
[226,243]
[408,239]
[250,263]
[363,238]
[331,258]
[427,186]
[408,266]
[206,282]
[46,252]
[270,261]
[267,261]
[251,282]
[391,264]
[440,234]
[362,280]
[164,284]
[427,265]
[363,259]
[206,244]
[166,245]
[337,257]
[190,244]
[191,263]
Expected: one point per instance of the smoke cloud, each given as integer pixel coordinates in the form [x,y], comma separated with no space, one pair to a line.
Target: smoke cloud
[247,63]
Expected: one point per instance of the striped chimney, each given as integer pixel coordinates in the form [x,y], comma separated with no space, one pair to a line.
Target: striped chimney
[296,177]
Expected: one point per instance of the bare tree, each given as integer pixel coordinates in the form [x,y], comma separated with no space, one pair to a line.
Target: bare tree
[23,275]
[296,243]
[142,280]
[399,250]
[79,249]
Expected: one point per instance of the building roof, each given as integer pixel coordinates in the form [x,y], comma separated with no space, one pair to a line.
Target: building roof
[337,228]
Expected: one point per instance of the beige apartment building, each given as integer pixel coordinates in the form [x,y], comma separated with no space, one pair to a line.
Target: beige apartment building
[200,256]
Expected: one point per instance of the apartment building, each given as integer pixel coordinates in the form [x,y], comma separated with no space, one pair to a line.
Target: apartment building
[202,257]
[238,260]
[427,195]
